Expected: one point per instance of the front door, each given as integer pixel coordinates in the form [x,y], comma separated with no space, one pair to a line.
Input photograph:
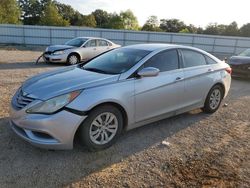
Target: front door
[89,50]
[155,96]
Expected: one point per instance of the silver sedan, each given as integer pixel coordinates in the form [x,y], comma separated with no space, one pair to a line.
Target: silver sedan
[77,50]
[122,89]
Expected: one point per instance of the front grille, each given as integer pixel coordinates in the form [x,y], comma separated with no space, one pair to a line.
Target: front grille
[48,53]
[22,100]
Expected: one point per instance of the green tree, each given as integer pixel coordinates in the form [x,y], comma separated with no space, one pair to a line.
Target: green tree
[172,25]
[245,30]
[31,11]
[75,20]
[9,12]
[215,29]
[212,29]
[52,17]
[231,30]
[199,30]
[115,21]
[129,20]
[67,12]
[87,20]
[152,24]
[185,30]
[192,29]
[102,18]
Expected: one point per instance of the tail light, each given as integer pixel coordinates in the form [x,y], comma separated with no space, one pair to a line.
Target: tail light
[229,70]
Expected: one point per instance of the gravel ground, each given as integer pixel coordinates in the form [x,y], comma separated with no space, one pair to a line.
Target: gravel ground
[190,150]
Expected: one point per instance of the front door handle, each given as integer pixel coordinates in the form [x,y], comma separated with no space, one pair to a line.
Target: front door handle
[178,79]
[210,70]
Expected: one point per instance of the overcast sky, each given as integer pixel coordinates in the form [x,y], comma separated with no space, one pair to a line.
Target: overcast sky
[197,12]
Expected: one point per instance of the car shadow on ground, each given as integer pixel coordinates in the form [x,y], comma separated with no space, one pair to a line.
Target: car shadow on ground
[28,65]
[65,167]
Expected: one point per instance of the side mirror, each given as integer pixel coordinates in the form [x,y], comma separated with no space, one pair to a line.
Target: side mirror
[148,72]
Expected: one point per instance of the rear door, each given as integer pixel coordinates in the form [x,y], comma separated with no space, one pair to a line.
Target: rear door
[198,76]
[161,94]
[103,46]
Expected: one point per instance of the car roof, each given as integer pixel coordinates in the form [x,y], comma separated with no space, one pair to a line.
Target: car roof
[160,46]
[91,38]
[157,46]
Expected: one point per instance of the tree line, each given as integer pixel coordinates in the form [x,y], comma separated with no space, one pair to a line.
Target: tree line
[53,13]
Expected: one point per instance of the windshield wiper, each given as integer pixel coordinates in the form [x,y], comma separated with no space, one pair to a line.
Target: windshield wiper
[96,70]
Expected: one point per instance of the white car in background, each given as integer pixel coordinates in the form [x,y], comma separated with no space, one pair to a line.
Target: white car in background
[77,50]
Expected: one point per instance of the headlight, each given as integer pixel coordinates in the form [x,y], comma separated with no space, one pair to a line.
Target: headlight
[52,105]
[59,52]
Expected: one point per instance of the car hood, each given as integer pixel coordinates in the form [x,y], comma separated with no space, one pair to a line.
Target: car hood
[64,80]
[59,47]
[238,60]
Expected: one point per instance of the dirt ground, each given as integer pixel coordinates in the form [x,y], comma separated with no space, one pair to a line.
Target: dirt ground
[190,150]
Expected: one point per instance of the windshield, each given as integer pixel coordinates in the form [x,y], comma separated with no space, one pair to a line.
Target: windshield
[78,42]
[116,61]
[245,53]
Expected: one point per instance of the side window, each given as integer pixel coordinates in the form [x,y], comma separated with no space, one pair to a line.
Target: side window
[164,61]
[109,43]
[210,60]
[91,43]
[103,43]
[192,58]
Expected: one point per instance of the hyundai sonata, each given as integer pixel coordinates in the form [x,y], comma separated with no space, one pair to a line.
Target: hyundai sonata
[116,91]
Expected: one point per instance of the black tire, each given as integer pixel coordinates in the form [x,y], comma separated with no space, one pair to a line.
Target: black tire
[84,131]
[208,106]
[72,57]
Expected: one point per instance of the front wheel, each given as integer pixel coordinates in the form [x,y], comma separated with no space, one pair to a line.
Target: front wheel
[73,59]
[213,99]
[102,127]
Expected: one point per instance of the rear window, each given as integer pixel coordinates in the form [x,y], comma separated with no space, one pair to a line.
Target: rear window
[192,58]
[210,60]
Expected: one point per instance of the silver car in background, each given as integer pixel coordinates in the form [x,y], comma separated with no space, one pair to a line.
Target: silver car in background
[119,90]
[77,50]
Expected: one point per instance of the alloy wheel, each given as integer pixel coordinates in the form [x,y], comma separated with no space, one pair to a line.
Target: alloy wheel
[215,99]
[73,60]
[103,128]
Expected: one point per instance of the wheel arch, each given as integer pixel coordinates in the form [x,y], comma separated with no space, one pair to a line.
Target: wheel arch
[74,53]
[222,86]
[117,105]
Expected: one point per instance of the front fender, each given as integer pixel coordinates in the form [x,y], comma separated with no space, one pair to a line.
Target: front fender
[121,93]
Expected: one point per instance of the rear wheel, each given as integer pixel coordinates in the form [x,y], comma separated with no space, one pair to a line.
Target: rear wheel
[73,59]
[102,127]
[213,99]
